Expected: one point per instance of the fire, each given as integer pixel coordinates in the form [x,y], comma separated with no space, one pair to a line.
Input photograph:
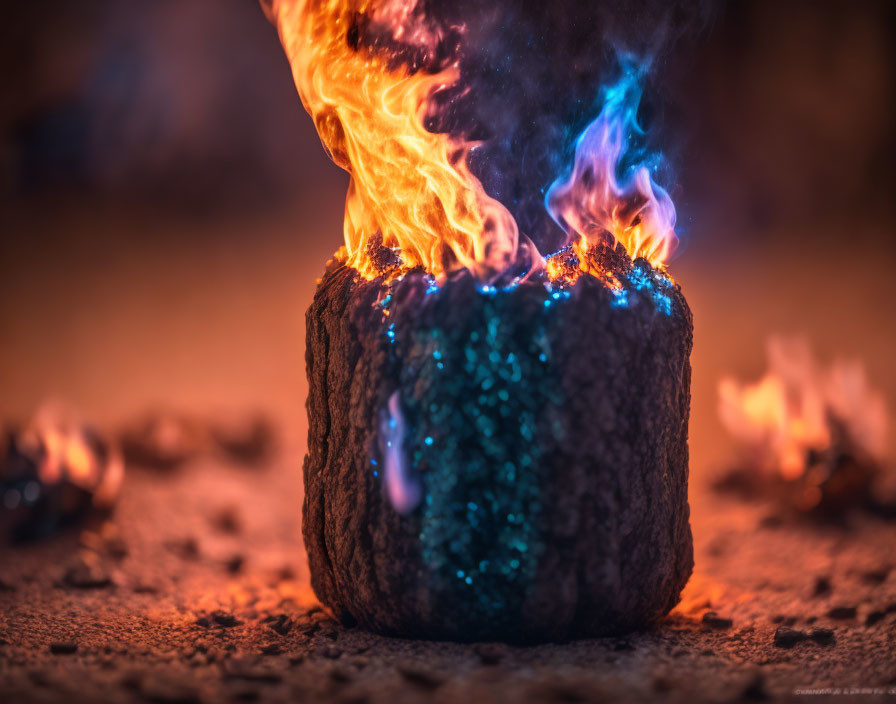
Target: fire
[409,185]
[797,409]
[65,449]
[593,200]
[411,191]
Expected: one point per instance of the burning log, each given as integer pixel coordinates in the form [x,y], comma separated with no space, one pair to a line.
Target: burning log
[526,474]
[497,438]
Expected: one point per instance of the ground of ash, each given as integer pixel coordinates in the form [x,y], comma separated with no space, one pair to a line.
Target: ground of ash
[196,591]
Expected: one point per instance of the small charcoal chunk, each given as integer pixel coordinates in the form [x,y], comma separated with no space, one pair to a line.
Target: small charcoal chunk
[788,637]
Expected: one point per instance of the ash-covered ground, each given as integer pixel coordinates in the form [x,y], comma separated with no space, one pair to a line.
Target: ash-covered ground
[196,591]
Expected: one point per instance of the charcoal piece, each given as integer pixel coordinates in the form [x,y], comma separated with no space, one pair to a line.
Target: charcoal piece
[788,637]
[822,587]
[842,613]
[712,620]
[225,619]
[536,487]
[63,648]
[822,636]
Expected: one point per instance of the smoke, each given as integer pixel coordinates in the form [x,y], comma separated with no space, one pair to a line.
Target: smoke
[531,77]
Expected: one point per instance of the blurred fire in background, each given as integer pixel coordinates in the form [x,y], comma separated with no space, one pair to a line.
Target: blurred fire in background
[814,435]
[167,205]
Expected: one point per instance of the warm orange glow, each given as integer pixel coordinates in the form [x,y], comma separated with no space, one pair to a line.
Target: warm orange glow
[408,184]
[58,438]
[789,412]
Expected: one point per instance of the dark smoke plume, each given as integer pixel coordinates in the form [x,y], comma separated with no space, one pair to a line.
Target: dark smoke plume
[531,74]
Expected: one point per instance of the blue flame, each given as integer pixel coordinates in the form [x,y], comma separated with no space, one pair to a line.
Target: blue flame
[611,187]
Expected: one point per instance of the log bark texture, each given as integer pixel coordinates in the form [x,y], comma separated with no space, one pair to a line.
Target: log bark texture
[546,432]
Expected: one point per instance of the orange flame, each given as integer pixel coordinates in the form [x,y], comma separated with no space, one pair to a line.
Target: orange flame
[411,186]
[60,440]
[788,413]
[411,191]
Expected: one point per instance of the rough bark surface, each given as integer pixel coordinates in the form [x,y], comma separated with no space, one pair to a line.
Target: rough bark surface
[547,432]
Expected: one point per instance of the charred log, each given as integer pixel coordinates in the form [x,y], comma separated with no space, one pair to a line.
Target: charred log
[538,451]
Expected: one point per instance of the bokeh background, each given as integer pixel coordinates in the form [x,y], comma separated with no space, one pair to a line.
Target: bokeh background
[166,206]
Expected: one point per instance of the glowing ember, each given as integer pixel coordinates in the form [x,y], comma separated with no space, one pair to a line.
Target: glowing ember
[411,191]
[797,412]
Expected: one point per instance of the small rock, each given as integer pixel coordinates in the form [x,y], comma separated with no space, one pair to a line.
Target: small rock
[328,631]
[280,624]
[272,649]
[713,620]
[874,617]
[235,563]
[876,576]
[788,637]
[842,612]
[308,629]
[822,636]
[225,619]
[115,547]
[63,648]
[227,520]
[822,587]
[490,653]
[285,574]
[423,678]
